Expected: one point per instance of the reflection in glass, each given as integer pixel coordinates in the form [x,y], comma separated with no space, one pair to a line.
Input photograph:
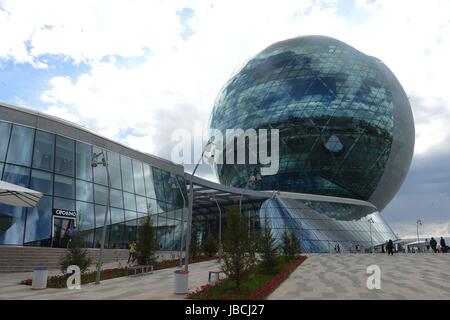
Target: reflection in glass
[129,201]
[84,191]
[100,171]
[12,219]
[42,181]
[100,194]
[83,161]
[64,156]
[39,223]
[64,187]
[5,129]
[116,198]
[20,146]
[148,175]
[138,177]
[17,175]
[127,174]
[62,203]
[44,144]
[114,170]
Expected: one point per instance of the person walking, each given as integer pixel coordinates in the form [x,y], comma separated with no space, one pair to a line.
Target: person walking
[132,252]
[390,247]
[71,232]
[433,244]
[443,245]
[427,244]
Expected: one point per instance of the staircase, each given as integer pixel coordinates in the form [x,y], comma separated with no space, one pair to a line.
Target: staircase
[20,259]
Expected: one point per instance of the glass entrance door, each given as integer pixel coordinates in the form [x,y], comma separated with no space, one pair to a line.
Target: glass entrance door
[60,236]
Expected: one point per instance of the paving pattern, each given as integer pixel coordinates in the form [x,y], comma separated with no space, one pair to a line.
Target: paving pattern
[403,276]
[156,286]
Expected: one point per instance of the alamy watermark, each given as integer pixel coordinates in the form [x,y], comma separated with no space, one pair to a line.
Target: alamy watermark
[263,147]
[374,280]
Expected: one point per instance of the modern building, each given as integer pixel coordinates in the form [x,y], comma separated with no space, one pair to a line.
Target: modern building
[346,143]
[54,157]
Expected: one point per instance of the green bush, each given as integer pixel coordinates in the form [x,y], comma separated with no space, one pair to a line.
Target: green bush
[146,244]
[210,245]
[269,250]
[76,255]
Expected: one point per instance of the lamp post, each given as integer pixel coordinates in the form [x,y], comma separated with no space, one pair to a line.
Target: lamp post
[255,176]
[191,202]
[370,229]
[175,184]
[418,222]
[94,163]
[213,198]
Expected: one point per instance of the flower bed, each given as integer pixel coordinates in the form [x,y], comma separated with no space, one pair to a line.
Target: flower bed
[254,286]
[59,281]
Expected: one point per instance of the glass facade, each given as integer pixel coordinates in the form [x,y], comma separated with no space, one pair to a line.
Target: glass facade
[343,118]
[61,168]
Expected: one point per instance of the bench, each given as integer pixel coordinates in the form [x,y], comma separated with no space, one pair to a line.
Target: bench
[142,267]
[216,273]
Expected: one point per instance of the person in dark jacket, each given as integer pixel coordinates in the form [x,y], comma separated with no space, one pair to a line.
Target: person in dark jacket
[390,247]
[443,245]
[433,244]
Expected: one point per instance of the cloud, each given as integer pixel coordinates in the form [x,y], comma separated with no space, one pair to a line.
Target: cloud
[184,60]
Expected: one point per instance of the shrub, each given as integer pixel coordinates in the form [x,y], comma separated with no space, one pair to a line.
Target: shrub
[76,255]
[237,259]
[269,250]
[210,245]
[146,245]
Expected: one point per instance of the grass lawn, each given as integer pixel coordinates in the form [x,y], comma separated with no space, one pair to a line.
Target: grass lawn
[256,285]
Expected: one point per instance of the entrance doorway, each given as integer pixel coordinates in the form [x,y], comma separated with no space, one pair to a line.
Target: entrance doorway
[60,227]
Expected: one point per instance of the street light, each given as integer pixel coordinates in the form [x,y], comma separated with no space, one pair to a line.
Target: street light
[213,198]
[418,222]
[255,176]
[94,163]
[370,228]
[175,184]
[191,202]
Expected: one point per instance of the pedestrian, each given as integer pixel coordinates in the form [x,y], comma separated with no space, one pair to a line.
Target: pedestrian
[427,244]
[382,248]
[433,244]
[71,232]
[443,245]
[390,247]
[338,248]
[132,252]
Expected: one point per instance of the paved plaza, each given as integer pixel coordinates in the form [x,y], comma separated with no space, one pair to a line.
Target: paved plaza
[156,286]
[403,276]
[321,276]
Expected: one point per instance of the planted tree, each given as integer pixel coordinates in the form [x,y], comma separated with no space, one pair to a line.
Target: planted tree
[290,245]
[295,245]
[193,246]
[269,250]
[210,245]
[236,252]
[146,245]
[76,255]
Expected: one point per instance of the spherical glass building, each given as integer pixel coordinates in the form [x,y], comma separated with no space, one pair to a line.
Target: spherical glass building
[345,124]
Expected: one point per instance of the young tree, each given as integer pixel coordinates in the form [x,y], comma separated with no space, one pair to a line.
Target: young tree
[194,247]
[236,257]
[286,246]
[295,245]
[269,250]
[146,244]
[76,255]
[210,245]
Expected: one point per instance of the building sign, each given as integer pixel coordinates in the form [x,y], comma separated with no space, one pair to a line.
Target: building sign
[64,213]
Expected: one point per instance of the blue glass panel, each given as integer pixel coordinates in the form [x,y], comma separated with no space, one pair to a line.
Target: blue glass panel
[127,174]
[44,145]
[20,146]
[141,203]
[100,194]
[138,175]
[42,181]
[114,170]
[5,130]
[64,156]
[129,201]
[64,187]
[62,203]
[86,222]
[148,177]
[100,170]
[12,224]
[39,223]
[83,161]
[17,175]
[116,198]
[84,191]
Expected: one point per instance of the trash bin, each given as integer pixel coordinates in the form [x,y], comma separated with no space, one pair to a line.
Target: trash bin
[181,281]
[39,280]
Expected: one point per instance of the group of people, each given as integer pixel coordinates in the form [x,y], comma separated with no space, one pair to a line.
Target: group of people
[441,247]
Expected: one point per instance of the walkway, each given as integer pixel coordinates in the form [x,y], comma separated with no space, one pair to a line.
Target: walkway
[403,276]
[156,286]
